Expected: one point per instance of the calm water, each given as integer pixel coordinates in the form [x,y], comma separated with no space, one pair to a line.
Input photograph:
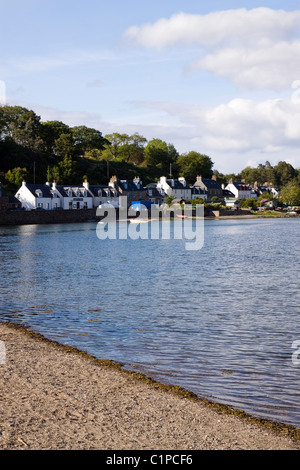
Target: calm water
[219,321]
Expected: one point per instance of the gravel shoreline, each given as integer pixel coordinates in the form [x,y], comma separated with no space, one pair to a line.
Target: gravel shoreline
[58,398]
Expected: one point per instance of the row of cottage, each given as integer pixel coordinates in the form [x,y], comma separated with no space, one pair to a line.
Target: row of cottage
[86,196]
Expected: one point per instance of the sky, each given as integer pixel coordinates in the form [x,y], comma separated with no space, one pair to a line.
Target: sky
[221,78]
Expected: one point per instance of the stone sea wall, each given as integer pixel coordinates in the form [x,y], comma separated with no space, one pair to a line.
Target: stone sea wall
[21,217]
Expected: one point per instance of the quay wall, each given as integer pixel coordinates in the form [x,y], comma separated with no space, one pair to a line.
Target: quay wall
[22,217]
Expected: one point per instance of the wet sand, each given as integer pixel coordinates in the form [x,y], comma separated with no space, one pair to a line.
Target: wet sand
[58,398]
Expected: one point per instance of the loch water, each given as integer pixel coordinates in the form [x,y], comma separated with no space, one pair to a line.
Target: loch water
[220,321]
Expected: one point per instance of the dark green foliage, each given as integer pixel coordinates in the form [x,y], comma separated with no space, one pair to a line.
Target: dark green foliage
[39,151]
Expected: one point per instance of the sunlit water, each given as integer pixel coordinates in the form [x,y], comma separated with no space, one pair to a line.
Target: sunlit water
[219,321]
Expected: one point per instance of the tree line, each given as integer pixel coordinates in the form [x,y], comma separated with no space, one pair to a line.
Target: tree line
[37,151]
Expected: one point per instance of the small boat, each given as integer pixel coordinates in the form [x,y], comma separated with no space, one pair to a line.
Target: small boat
[181,216]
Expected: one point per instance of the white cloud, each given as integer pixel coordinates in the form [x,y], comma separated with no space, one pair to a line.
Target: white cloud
[273,66]
[216,27]
[256,48]
[240,125]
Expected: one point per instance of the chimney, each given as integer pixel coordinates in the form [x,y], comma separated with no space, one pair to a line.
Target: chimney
[86,184]
[137,181]
[113,181]
[214,177]
[23,183]
[182,180]
[231,181]
[54,185]
[47,183]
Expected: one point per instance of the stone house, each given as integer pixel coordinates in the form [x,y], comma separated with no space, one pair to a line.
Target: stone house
[211,186]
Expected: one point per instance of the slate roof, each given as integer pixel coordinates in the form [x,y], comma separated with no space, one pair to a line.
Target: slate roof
[176,184]
[241,186]
[128,185]
[63,190]
[211,183]
[208,183]
[44,188]
[227,193]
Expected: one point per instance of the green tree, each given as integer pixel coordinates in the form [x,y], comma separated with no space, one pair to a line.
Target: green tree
[169,200]
[16,176]
[194,164]
[94,154]
[21,125]
[67,170]
[198,200]
[86,139]
[160,154]
[284,173]
[64,146]
[51,131]
[124,147]
[290,194]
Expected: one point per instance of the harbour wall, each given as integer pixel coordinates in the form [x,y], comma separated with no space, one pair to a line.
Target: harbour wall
[22,217]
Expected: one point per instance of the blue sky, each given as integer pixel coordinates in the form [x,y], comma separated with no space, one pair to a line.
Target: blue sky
[221,78]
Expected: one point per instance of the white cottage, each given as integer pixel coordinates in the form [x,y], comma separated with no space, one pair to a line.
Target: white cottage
[174,187]
[102,194]
[72,197]
[35,196]
[241,190]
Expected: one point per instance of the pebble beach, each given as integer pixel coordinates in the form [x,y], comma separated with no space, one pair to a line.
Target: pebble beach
[58,398]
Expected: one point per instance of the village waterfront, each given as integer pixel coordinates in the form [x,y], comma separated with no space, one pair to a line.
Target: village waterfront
[220,321]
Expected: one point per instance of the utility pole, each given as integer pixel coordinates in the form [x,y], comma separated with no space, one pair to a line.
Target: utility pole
[170,170]
[33,172]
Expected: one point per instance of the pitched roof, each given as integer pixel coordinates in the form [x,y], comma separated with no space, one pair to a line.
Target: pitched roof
[208,183]
[128,185]
[63,190]
[176,184]
[240,185]
[102,191]
[35,188]
[227,193]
